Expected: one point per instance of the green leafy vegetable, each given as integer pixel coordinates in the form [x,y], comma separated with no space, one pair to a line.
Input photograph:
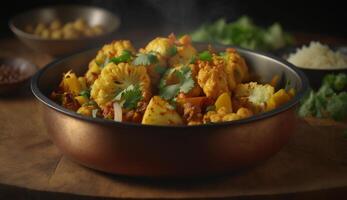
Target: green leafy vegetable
[85,93]
[124,57]
[205,56]
[329,101]
[129,97]
[243,32]
[145,59]
[210,108]
[337,106]
[172,51]
[192,60]
[160,69]
[90,103]
[185,84]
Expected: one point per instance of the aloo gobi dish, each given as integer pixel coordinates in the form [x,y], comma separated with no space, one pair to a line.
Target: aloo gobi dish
[168,82]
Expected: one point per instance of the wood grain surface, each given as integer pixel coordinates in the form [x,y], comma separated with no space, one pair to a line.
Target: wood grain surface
[314,160]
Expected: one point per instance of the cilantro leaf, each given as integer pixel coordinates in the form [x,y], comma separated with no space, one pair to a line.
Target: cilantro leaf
[170,91]
[145,59]
[205,56]
[210,108]
[185,84]
[160,69]
[192,60]
[124,57]
[129,97]
[172,51]
[85,93]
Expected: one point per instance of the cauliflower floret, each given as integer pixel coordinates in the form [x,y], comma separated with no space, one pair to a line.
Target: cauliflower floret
[161,45]
[254,95]
[184,51]
[108,51]
[235,68]
[212,77]
[115,78]
[162,48]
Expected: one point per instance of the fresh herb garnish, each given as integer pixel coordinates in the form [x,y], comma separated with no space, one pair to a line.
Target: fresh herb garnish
[85,93]
[129,97]
[185,84]
[210,108]
[145,59]
[160,69]
[124,57]
[172,51]
[192,60]
[90,103]
[205,56]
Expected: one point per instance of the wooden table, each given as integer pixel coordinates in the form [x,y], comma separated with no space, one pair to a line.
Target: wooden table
[313,165]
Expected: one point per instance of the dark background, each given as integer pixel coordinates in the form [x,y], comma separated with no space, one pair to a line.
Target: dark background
[327,18]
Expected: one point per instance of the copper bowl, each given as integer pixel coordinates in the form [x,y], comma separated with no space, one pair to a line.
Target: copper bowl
[168,151]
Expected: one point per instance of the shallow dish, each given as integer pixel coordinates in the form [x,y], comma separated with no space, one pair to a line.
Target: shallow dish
[92,15]
[314,76]
[169,151]
[25,70]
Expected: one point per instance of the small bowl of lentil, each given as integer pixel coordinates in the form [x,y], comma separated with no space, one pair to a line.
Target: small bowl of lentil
[14,74]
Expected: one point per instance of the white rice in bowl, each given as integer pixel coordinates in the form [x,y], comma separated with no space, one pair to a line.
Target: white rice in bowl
[318,56]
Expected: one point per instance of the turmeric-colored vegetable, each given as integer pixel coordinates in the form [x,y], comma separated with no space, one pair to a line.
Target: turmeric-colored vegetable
[224,100]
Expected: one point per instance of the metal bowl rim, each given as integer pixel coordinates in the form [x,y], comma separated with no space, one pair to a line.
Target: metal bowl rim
[53,105]
[30,36]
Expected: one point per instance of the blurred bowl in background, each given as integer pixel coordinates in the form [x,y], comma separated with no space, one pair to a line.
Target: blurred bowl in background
[94,16]
[14,74]
[315,76]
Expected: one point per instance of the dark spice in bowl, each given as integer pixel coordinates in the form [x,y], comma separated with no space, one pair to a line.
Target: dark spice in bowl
[14,72]
[10,74]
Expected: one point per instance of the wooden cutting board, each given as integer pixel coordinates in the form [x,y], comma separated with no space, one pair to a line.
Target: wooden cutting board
[315,159]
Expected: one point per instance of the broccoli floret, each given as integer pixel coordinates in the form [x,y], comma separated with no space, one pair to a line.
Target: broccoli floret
[328,101]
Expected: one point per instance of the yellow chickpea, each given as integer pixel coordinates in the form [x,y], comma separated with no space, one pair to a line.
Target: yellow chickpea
[244,112]
[45,33]
[39,28]
[57,34]
[55,24]
[68,26]
[88,32]
[80,24]
[97,30]
[70,34]
[231,117]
